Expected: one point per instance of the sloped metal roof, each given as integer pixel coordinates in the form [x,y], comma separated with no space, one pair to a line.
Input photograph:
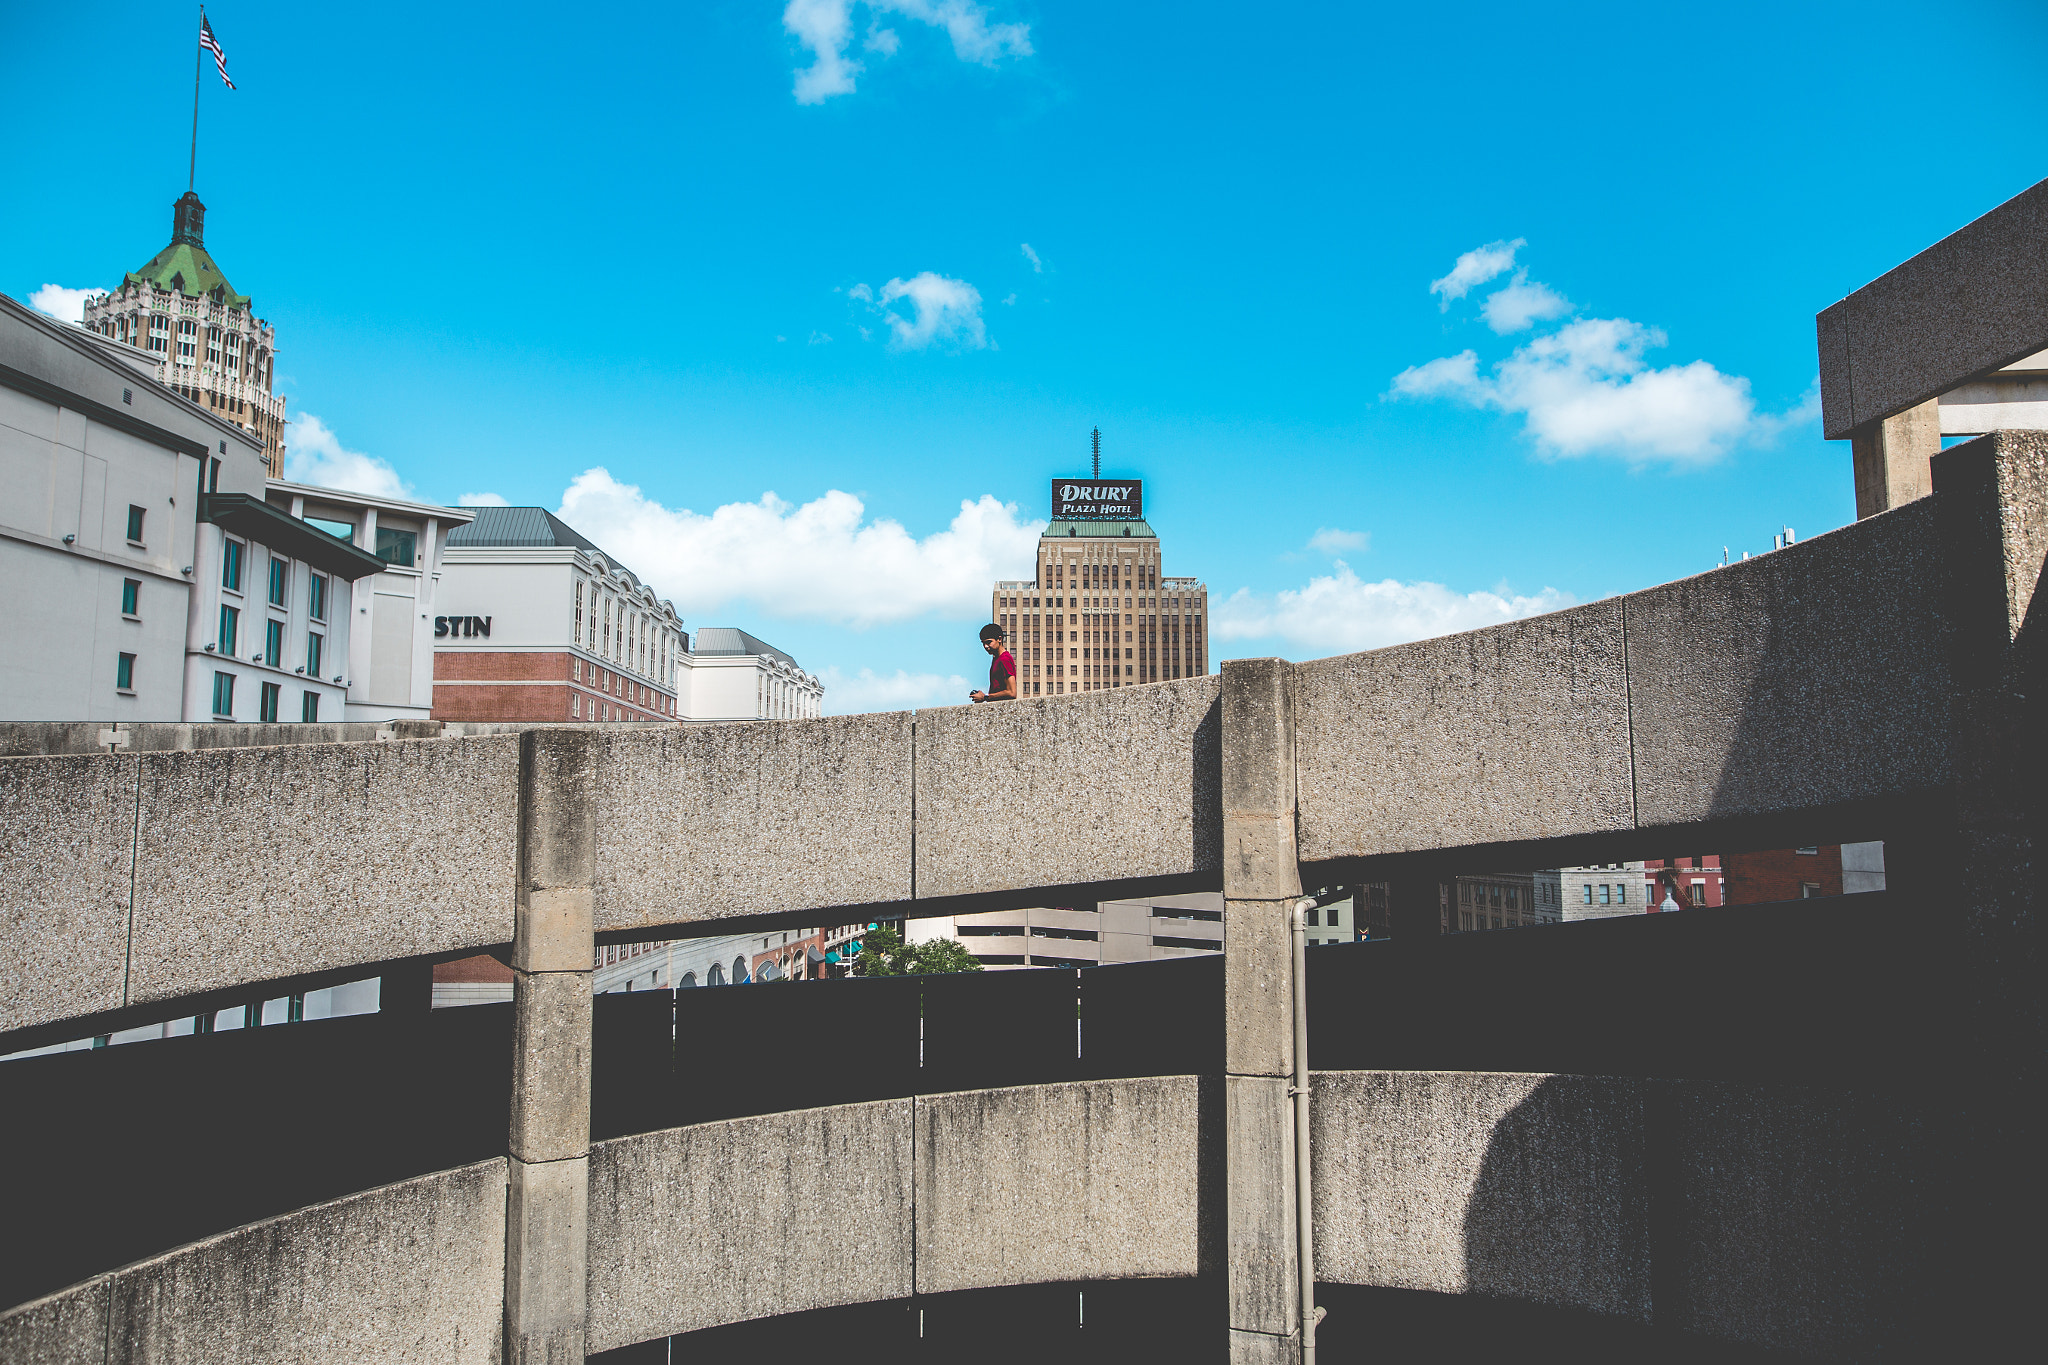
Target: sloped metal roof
[518,527]
[731,640]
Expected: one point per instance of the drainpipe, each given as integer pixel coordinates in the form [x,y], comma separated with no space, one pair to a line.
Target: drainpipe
[1304,1210]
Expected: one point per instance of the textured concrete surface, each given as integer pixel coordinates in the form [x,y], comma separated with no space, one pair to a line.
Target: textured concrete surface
[723,820]
[1135,781]
[412,1272]
[1521,1186]
[93,736]
[1258,988]
[67,840]
[1259,858]
[547,1239]
[1262,1348]
[748,1218]
[551,1013]
[1263,1278]
[1974,301]
[1827,681]
[66,1328]
[1805,1220]
[1092,1180]
[260,863]
[1518,731]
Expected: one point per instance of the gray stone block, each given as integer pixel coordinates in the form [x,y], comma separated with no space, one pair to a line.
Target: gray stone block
[1259,856]
[706,823]
[67,841]
[551,1014]
[1520,1186]
[1262,1348]
[1518,731]
[1810,676]
[748,1218]
[65,1328]
[411,1272]
[1092,1180]
[1974,301]
[260,863]
[1134,788]
[1807,1221]
[1260,1252]
[50,738]
[1258,988]
[547,1238]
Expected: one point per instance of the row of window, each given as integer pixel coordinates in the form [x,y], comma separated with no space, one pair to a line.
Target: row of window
[273,642]
[628,637]
[267,701]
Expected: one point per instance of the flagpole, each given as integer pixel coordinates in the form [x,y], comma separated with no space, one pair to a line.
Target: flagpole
[198,66]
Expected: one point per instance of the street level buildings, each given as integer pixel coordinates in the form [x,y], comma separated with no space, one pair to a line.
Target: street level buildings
[203,340]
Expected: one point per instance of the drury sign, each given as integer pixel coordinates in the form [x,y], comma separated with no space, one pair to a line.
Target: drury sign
[1076,500]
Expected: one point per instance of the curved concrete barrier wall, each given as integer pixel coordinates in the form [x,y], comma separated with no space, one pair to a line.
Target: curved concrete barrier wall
[1783,1217]
[748,1218]
[1827,682]
[1134,773]
[246,865]
[412,1272]
[710,822]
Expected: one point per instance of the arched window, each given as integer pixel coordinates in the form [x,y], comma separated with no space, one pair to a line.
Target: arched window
[739,971]
[716,976]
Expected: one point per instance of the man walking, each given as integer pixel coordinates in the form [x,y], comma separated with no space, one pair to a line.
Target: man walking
[1002,672]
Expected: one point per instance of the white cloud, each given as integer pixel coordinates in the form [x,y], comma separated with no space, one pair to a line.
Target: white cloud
[944,311]
[824,560]
[901,691]
[1523,303]
[1037,266]
[1586,388]
[820,338]
[825,27]
[1475,268]
[316,456]
[1329,540]
[1009,300]
[65,305]
[1339,612]
[482,500]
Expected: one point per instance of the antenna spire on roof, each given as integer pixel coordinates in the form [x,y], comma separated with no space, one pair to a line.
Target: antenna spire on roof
[1098,454]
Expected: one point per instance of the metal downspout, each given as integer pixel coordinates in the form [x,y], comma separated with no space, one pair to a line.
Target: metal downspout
[1304,1209]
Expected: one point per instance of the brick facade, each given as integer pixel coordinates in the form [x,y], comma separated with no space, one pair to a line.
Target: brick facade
[537,685]
[1782,874]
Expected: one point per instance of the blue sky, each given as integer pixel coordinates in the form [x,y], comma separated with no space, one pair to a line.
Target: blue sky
[889,264]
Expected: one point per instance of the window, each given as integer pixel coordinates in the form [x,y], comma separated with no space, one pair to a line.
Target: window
[230,619]
[213,346]
[273,643]
[131,595]
[340,530]
[124,672]
[1589,893]
[316,596]
[224,695]
[277,581]
[1621,894]
[231,565]
[266,706]
[235,352]
[313,654]
[577,633]
[1811,850]
[576,706]
[395,546]
[309,707]
[134,524]
[188,340]
[1808,890]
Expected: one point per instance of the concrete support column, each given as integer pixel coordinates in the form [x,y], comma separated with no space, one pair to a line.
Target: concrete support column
[1892,458]
[1261,882]
[546,1218]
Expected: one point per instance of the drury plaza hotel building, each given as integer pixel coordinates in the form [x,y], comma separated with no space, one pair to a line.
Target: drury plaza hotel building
[1102,612]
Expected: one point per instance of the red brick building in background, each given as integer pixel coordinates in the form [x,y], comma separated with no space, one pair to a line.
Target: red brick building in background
[1783,874]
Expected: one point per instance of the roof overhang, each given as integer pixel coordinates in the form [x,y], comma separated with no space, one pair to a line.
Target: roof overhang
[280,530]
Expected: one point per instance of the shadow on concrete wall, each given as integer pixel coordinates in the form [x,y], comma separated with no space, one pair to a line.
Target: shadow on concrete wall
[1207,824]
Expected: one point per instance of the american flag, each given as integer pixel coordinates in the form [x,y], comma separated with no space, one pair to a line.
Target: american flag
[212,44]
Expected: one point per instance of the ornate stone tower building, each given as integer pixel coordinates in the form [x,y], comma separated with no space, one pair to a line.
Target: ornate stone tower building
[208,342]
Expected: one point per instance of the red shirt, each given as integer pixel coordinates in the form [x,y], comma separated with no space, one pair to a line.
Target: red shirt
[1001,669]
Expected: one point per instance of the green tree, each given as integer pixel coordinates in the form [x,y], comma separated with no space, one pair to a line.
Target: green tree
[884,953]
